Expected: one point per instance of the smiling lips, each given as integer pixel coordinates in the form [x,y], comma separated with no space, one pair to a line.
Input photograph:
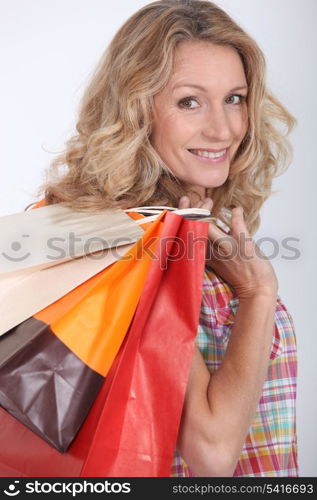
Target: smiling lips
[214,156]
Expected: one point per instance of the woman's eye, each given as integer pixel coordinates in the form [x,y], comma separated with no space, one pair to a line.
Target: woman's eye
[185,103]
[235,99]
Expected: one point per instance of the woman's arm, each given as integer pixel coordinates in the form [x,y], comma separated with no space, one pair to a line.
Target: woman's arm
[219,407]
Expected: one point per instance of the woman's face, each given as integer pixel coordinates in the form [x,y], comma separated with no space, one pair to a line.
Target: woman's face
[200,117]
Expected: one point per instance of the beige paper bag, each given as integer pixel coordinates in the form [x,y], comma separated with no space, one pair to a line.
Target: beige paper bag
[24,294]
[54,234]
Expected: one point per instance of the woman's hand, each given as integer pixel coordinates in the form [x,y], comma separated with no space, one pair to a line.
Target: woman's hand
[235,257]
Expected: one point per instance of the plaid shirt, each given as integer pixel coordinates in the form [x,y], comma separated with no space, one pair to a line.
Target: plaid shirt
[270,449]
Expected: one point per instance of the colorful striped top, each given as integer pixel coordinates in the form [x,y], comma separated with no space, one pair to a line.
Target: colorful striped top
[270,449]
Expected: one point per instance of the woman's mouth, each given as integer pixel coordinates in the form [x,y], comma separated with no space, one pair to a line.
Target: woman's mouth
[209,156]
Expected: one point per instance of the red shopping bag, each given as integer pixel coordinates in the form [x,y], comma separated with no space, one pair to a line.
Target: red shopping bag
[138,428]
[132,427]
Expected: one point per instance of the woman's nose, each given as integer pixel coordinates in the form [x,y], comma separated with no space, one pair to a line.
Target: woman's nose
[217,125]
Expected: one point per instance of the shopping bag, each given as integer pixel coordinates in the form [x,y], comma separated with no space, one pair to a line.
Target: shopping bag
[133,423]
[53,234]
[138,427]
[23,453]
[53,364]
[17,298]
[26,293]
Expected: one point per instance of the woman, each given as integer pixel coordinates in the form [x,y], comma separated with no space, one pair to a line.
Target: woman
[178,114]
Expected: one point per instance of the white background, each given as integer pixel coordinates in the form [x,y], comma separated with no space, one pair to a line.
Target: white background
[49,49]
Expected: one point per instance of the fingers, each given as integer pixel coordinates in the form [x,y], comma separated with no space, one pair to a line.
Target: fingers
[184,202]
[238,225]
[221,240]
[229,241]
[206,203]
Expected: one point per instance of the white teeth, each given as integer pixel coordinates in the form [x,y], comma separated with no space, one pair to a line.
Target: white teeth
[208,154]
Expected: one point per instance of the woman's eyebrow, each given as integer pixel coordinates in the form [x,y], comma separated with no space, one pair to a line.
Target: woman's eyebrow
[196,86]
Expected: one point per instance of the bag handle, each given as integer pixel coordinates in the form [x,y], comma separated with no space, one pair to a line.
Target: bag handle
[199,214]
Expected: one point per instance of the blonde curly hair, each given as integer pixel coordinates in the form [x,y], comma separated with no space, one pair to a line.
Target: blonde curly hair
[110,161]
